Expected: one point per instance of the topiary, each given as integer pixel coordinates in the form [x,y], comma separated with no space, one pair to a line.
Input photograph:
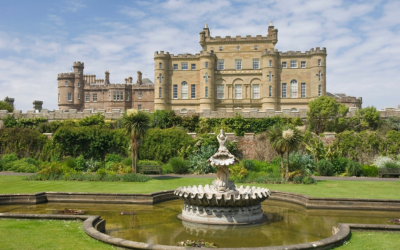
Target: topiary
[325,168]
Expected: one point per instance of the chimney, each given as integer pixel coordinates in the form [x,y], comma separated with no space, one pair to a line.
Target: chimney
[107,77]
[130,79]
[139,78]
[37,105]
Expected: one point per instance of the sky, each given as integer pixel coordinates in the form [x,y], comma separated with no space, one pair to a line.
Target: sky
[39,39]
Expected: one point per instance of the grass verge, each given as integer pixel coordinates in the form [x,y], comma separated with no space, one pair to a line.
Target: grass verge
[372,241]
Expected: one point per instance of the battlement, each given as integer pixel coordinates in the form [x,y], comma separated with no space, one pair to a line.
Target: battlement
[312,51]
[78,64]
[161,54]
[65,75]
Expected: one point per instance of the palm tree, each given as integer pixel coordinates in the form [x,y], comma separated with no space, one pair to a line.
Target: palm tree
[274,135]
[135,123]
[292,140]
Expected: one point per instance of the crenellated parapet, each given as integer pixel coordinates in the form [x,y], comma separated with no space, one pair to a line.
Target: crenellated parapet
[65,75]
[161,54]
[311,52]
[78,64]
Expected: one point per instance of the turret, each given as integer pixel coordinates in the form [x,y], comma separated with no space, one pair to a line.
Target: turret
[204,34]
[207,85]
[78,85]
[318,72]
[272,33]
[66,90]
[270,89]
[107,77]
[161,80]
[139,78]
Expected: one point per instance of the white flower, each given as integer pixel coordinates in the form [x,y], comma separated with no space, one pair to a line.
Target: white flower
[130,112]
[288,134]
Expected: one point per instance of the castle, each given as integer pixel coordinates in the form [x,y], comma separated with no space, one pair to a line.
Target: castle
[78,91]
[239,72]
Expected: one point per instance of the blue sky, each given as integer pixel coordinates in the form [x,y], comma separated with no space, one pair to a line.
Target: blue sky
[39,39]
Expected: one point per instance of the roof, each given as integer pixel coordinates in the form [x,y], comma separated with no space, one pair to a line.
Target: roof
[146,81]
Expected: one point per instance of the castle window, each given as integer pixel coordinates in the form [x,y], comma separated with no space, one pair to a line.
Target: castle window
[319,90]
[139,106]
[238,63]
[220,48]
[66,83]
[175,92]
[270,63]
[193,66]
[175,66]
[160,65]
[79,84]
[206,92]
[221,65]
[206,65]
[206,77]
[238,47]
[303,64]
[283,64]
[79,96]
[283,90]
[319,76]
[293,64]
[160,78]
[256,91]
[70,97]
[193,91]
[140,95]
[270,77]
[118,95]
[319,62]
[220,91]
[238,91]
[184,66]
[127,96]
[303,90]
[79,72]
[256,63]
[293,89]
[270,91]
[95,97]
[159,92]
[256,47]
[184,90]
[87,97]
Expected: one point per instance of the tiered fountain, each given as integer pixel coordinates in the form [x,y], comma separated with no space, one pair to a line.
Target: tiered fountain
[222,202]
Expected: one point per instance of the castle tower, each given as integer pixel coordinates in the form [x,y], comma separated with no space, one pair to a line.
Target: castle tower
[78,86]
[161,80]
[270,88]
[66,90]
[207,85]
[204,34]
[318,72]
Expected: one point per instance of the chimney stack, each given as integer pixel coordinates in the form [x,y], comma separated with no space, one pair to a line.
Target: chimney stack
[139,78]
[37,105]
[107,77]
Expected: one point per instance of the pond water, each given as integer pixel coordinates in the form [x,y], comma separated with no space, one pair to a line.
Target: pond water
[158,224]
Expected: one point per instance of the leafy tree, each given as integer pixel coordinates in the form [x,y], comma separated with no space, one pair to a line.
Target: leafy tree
[6,106]
[164,119]
[325,111]
[97,119]
[366,118]
[135,123]
[393,122]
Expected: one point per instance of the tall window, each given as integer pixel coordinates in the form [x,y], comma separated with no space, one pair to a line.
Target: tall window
[175,91]
[87,97]
[94,97]
[139,106]
[206,77]
[303,64]
[238,64]
[319,62]
[293,89]
[238,91]
[193,91]
[270,91]
[66,83]
[283,90]
[293,63]
[270,63]
[206,92]
[69,97]
[319,90]
[193,66]
[159,92]
[221,65]
[160,78]
[184,66]
[140,95]
[303,90]
[175,66]
[270,77]
[283,64]
[79,84]
[127,96]
[160,65]
[184,90]
[256,63]
[319,76]
[220,91]
[79,96]
[256,91]
[206,65]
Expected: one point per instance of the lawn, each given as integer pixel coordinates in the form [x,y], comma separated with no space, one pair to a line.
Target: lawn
[372,241]
[339,189]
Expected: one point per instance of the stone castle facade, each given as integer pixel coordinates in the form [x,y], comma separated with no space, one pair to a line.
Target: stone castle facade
[78,91]
[239,72]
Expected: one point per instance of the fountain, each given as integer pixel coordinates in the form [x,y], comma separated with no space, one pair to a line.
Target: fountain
[222,202]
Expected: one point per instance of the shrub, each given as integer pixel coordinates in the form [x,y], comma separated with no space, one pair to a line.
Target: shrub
[391,165]
[97,119]
[339,165]
[237,173]
[198,160]
[304,179]
[380,161]
[104,176]
[179,165]
[353,168]
[113,158]
[9,158]
[248,164]
[21,166]
[325,168]
[80,163]
[369,171]
[127,161]
[70,162]
[167,169]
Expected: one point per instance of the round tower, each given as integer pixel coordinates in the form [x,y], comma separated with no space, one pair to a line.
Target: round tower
[78,86]
[66,91]
[207,84]
[161,80]
[318,72]
[270,89]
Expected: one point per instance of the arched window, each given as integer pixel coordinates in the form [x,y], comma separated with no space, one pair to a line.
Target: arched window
[184,90]
[293,89]
[293,110]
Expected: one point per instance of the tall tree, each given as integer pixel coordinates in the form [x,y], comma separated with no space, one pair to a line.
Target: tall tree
[274,135]
[135,123]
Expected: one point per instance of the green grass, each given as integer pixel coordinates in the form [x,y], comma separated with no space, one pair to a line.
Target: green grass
[46,234]
[339,189]
[372,241]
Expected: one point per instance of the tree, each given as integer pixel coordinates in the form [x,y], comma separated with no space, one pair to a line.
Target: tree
[325,112]
[135,123]
[291,140]
[274,135]
[6,106]
[365,118]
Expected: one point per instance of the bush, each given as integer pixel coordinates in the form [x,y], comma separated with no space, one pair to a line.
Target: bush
[325,168]
[238,172]
[353,168]
[391,165]
[380,161]
[104,175]
[80,163]
[113,158]
[9,158]
[304,179]
[97,119]
[339,165]
[70,162]
[369,171]
[248,164]
[127,161]
[179,165]
[21,166]
[198,160]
